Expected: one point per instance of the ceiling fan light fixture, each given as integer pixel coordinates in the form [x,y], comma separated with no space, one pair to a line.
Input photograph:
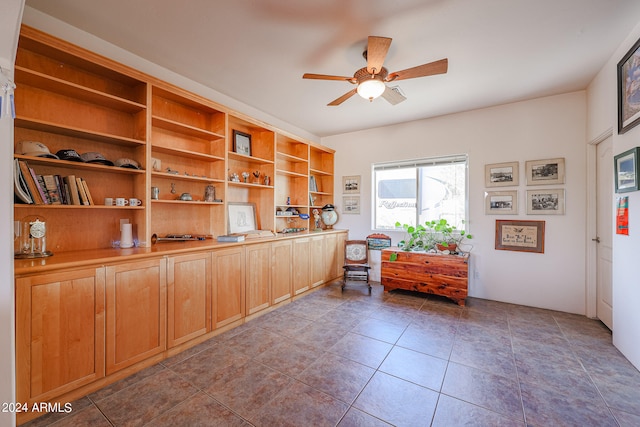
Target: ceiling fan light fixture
[371,88]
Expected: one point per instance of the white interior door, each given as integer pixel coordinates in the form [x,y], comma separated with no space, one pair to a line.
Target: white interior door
[604,227]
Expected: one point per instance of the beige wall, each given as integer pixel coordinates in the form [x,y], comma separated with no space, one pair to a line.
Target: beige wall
[536,129]
[602,107]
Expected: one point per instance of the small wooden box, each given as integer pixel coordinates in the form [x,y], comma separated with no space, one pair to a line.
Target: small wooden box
[438,274]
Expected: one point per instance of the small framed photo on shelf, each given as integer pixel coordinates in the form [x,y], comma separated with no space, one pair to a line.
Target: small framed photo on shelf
[501,174]
[351,205]
[351,184]
[629,89]
[521,236]
[241,217]
[545,172]
[626,171]
[501,202]
[241,143]
[545,202]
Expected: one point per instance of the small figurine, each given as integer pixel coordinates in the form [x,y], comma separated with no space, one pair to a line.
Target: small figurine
[256,175]
[245,176]
[267,180]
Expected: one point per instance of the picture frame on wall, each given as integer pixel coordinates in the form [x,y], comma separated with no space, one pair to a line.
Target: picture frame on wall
[548,201]
[501,174]
[625,166]
[628,71]
[501,202]
[545,172]
[351,184]
[351,205]
[520,236]
[241,143]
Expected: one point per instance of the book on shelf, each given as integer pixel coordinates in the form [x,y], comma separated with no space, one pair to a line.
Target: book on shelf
[32,188]
[87,192]
[52,189]
[81,191]
[20,186]
[231,238]
[40,185]
[71,182]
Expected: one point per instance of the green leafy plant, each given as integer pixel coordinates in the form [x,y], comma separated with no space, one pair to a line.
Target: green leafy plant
[433,234]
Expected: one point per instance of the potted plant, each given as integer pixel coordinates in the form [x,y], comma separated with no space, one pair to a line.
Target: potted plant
[448,237]
[435,234]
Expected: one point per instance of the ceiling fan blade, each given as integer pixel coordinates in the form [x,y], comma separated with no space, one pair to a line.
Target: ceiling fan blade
[377,48]
[326,77]
[343,98]
[430,69]
[393,96]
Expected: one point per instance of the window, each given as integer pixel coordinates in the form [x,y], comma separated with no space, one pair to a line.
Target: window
[413,192]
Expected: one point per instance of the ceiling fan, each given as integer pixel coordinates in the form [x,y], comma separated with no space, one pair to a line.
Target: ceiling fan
[371,79]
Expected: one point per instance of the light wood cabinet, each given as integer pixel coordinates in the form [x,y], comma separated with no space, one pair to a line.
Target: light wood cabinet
[135,312]
[258,276]
[59,333]
[292,183]
[188,297]
[228,303]
[282,271]
[321,175]
[317,260]
[300,262]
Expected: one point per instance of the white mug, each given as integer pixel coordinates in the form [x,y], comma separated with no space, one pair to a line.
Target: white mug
[121,201]
[135,202]
[108,201]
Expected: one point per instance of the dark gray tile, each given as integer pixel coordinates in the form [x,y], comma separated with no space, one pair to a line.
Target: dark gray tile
[397,401]
[338,377]
[543,407]
[494,392]
[356,418]
[380,329]
[199,410]
[418,368]
[625,419]
[489,354]
[433,341]
[89,416]
[300,405]
[126,382]
[141,402]
[289,356]
[452,412]
[361,349]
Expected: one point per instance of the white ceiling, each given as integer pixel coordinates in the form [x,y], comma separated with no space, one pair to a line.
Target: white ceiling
[256,51]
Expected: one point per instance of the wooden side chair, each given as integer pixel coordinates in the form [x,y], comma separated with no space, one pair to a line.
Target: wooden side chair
[356,262]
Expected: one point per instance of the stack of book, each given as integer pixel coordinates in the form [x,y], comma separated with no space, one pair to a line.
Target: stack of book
[32,188]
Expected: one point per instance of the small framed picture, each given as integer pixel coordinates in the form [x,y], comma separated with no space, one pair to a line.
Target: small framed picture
[501,174]
[629,89]
[545,172]
[626,170]
[521,236]
[241,143]
[241,217]
[501,202]
[351,184]
[545,202]
[351,205]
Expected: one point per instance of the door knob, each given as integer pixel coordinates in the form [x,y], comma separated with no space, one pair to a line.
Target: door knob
[597,240]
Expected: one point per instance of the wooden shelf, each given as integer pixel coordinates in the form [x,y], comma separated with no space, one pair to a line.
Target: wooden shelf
[78,165]
[167,175]
[186,153]
[249,184]
[75,132]
[175,126]
[185,202]
[291,174]
[120,208]
[62,87]
[250,159]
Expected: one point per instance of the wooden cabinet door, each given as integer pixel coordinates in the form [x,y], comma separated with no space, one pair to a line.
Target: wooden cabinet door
[228,304]
[341,238]
[330,256]
[188,297]
[300,265]
[317,261]
[136,312]
[59,333]
[282,271]
[258,276]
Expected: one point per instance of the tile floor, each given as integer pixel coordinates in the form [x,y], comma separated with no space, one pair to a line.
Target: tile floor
[352,359]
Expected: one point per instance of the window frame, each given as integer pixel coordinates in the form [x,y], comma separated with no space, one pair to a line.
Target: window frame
[417,163]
